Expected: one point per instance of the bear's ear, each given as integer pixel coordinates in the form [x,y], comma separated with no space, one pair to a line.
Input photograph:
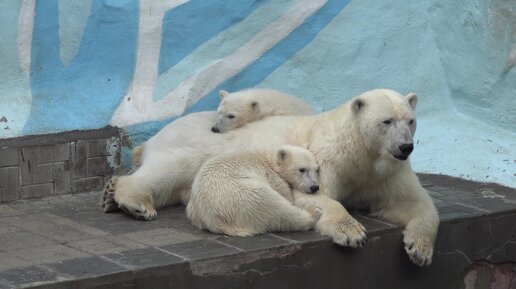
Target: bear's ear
[357,105]
[254,105]
[412,100]
[281,156]
[223,93]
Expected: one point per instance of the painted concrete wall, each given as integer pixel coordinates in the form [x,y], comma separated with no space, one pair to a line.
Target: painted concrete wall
[140,64]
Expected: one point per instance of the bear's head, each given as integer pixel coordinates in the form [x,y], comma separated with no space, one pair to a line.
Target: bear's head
[386,121]
[235,110]
[298,167]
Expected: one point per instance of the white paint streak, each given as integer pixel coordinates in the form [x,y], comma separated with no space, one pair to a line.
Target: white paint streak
[511,61]
[141,106]
[135,102]
[24,35]
[73,16]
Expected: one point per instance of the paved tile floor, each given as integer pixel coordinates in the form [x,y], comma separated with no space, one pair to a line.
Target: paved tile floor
[66,237]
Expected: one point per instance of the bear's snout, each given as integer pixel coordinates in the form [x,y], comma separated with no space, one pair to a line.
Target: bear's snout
[215,129]
[314,189]
[406,148]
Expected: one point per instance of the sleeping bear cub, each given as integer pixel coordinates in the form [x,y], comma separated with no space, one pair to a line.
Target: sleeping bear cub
[239,108]
[250,193]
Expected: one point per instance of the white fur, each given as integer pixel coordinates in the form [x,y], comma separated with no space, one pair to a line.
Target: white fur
[239,108]
[353,148]
[250,193]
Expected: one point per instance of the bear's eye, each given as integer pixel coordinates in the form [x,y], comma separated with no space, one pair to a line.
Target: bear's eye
[411,121]
[317,171]
[231,116]
[302,170]
[387,121]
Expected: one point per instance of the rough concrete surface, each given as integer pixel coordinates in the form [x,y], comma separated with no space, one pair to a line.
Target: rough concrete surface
[67,242]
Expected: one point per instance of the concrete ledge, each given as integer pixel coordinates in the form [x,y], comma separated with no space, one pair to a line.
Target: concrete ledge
[66,242]
[56,164]
[60,137]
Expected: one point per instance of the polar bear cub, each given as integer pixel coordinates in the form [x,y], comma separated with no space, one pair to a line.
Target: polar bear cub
[250,193]
[241,107]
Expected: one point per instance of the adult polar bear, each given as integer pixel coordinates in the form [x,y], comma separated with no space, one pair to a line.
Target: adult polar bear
[361,146]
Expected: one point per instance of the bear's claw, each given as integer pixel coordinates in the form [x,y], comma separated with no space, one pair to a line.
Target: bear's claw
[419,249]
[348,232]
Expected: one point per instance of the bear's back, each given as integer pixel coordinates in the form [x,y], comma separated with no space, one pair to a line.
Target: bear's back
[237,171]
[274,102]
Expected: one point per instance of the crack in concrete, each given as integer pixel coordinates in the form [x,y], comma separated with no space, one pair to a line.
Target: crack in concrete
[508,241]
[456,252]
[263,273]
[231,264]
[228,245]
[499,248]
[256,271]
[469,206]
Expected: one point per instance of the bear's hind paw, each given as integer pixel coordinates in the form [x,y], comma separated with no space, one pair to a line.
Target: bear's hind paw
[143,213]
[107,198]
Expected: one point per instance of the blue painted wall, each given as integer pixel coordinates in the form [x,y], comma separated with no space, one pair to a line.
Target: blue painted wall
[139,65]
[84,93]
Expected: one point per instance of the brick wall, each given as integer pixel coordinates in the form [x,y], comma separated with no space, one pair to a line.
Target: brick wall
[65,163]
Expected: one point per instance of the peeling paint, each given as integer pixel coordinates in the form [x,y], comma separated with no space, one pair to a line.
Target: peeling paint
[503,275]
[113,154]
[484,275]
[470,279]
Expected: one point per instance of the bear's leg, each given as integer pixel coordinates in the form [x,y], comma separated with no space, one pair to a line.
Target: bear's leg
[410,205]
[292,218]
[275,213]
[155,184]
[334,220]
[257,211]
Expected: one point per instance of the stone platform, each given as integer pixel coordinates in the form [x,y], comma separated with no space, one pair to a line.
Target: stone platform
[67,242]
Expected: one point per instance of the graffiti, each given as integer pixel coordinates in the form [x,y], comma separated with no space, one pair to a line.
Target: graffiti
[84,93]
[130,56]
[139,106]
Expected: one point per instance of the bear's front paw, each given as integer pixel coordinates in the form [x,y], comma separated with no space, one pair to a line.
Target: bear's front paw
[314,211]
[419,248]
[107,197]
[346,232]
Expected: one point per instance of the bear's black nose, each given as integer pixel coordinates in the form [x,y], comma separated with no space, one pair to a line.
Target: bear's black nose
[406,148]
[314,189]
[214,129]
